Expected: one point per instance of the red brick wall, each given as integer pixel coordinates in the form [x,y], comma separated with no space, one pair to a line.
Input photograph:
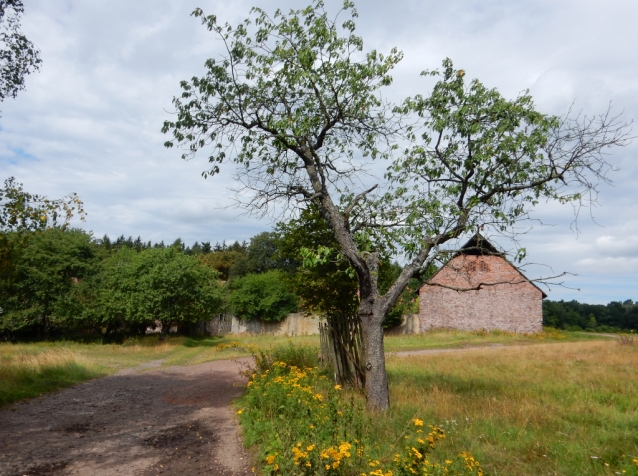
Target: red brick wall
[514,307]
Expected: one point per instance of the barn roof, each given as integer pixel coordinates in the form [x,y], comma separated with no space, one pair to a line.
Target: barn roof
[478,245]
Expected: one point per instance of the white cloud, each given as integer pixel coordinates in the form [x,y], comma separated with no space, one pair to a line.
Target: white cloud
[90,120]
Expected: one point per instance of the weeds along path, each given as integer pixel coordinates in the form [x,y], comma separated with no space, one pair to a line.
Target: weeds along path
[142,421]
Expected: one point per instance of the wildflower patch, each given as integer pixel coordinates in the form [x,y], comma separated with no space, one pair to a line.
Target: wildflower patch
[301,424]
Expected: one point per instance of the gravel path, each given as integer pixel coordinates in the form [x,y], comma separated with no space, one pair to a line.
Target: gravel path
[142,421]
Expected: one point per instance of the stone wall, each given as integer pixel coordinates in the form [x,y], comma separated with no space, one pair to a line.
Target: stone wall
[514,305]
[410,325]
[294,325]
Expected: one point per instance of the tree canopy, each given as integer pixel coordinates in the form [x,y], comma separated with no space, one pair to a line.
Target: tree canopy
[25,211]
[19,57]
[263,297]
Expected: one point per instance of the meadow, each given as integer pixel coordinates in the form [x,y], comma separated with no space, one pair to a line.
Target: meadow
[549,409]
[555,404]
[31,369]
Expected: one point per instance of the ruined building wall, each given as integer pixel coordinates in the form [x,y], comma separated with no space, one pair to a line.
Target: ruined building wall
[515,306]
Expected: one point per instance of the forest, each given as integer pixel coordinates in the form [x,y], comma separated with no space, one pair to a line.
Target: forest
[576,316]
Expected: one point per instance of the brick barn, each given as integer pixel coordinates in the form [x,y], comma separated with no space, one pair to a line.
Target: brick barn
[513,305]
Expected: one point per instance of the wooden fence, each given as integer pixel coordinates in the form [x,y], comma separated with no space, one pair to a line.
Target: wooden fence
[342,347]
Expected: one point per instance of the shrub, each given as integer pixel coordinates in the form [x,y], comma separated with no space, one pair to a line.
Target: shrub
[262,296]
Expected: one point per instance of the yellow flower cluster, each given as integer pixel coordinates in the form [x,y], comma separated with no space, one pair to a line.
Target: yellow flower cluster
[285,402]
[471,463]
[329,458]
[413,460]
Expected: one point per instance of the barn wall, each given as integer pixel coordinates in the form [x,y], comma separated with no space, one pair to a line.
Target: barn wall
[515,307]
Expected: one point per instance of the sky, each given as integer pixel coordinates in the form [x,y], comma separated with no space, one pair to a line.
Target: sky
[90,120]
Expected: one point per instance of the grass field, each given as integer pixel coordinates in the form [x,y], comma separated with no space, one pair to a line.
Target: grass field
[549,409]
[28,370]
[567,405]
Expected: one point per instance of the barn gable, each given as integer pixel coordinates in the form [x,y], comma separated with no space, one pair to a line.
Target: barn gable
[480,289]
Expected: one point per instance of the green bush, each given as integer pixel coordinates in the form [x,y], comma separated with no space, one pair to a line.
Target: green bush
[134,290]
[262,296]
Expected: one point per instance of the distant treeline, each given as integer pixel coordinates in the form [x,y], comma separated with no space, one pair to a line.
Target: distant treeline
[197,248]
[574,316]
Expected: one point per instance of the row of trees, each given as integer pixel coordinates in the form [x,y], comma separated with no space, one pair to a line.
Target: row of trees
[61,280]
[576,316]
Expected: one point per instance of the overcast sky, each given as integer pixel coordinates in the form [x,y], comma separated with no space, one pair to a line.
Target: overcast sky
[89,121]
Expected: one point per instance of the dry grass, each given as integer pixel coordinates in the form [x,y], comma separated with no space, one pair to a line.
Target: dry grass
[450,338]
[25,373]
[90,360]
[625,339]
[560,409]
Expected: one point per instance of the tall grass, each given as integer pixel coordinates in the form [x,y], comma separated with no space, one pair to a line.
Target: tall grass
[559,409]
[95,359]
[299,423]
[452,338]
[25,374]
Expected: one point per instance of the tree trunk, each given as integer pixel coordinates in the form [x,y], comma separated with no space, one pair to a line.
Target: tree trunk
[166,326]
[376,388]
[45,325]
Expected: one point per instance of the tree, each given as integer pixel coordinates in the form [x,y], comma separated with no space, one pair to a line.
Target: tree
[47,267]
[18,56]
[326,286]
[261,256]
[133,290]
[262,296]
[24,211]
[297,105]
[222,261]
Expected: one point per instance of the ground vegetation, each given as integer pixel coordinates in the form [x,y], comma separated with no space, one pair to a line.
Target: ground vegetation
[504,406]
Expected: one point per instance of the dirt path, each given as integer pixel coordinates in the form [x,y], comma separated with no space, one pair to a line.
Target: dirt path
[142,421]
